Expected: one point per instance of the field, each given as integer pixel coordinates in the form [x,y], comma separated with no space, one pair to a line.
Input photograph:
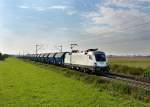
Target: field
[27,84]
[130,65]
[139,62]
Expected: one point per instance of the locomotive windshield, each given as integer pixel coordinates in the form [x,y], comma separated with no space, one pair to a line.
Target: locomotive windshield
[100,57]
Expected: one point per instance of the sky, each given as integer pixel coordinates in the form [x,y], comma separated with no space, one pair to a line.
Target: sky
[120,27]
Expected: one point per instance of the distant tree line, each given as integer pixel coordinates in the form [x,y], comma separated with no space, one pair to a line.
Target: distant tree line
[3,56]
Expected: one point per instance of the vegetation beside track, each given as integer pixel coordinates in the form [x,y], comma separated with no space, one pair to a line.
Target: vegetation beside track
[33,84]
[113,87]
[138,62]
[134,66]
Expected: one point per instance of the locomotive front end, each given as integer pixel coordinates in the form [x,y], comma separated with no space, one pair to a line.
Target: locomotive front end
[101,63]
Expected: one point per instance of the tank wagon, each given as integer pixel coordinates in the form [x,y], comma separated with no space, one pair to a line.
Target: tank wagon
[39,57]
[45,57]
[42,59]
[36,57]
[51,58]
[32,57]
[60,58]
[90,60]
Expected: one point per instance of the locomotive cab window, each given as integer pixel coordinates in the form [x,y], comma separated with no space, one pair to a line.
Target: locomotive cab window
[100,57]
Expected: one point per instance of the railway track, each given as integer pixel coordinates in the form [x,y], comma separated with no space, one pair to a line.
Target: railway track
[130,80]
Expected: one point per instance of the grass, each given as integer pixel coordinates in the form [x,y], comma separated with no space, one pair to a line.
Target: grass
[132,62]
[27,84]
[113,87]
[131,65]
[124,69]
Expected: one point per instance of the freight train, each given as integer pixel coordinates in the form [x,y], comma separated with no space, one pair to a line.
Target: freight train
[90,60]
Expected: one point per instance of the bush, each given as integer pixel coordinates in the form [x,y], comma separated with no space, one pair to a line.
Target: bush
[2,57]
[5,56]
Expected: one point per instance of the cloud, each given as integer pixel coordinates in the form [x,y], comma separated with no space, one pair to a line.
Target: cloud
[63,28]
[47,8]
[58,7]
[37,8]
[127,3]
[119,26]
[117,19]
[98,30]
[71,12]
[68,10]
[23,7]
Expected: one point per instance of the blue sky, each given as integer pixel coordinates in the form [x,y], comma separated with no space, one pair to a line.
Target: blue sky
[113,26]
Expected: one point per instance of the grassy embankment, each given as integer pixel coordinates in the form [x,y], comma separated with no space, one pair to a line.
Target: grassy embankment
[24,84]
[131,65]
